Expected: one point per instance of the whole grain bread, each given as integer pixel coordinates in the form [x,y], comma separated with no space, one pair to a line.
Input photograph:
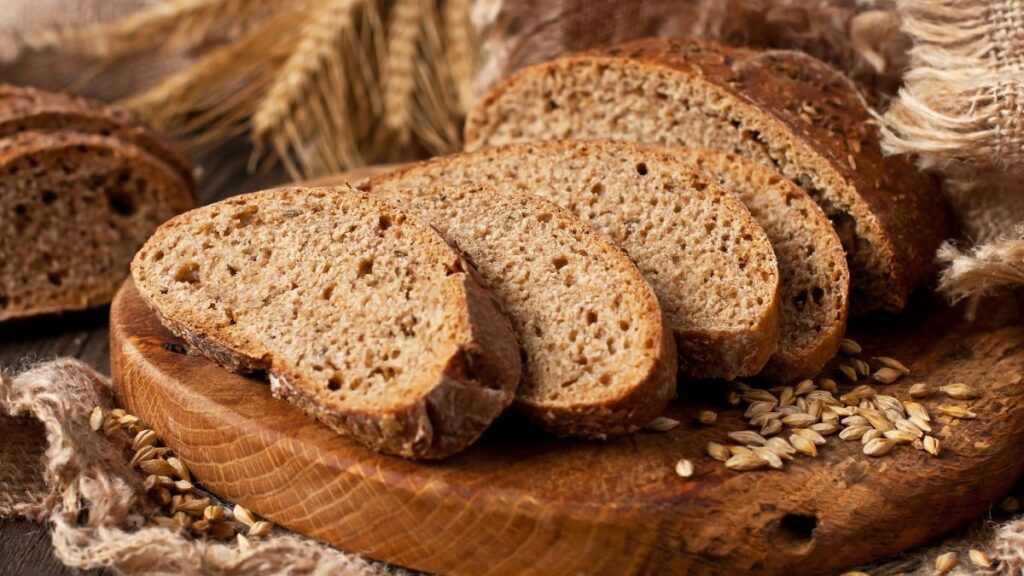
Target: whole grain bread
[363,317]
[597,357]
[815,281]
[74,208]
[783,109]
[710,264]
[23,109]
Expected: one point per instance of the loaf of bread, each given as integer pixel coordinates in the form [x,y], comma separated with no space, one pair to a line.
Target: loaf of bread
[814,281]
[597,357]
[361,316]
[81,188]
[783,109]
[710,264]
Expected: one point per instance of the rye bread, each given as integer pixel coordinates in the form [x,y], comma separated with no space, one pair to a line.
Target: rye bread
[783,109]
[74,208]
[815,281]
[23,109]
[361,316]
[710,264]
[597,357]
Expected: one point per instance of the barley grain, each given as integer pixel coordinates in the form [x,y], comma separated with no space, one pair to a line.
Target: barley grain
[771,428]
[759,407]
[747,437]
[887,375]
[144,438]
[96,419]
[879,446]
[745,462]
[945,562]
[707,417]
[862,367]
[900,437]
[828,385]
[931,445]
[799,420]
[922,424]
[892,363]
[872,434]
[850,347]
[825,428]
[854,432]
[959,391]
[876,419]
[919,390]
[243,515]
[769,456]
[684,469]
[979,558]
[756,394]
[803,445]
[811,435]
[662,424]
[718,451]
[804,387]
[848,371]
[957,412]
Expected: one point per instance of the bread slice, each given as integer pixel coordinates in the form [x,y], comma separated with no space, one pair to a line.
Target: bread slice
[782,109]
[710,264]
[25,109]
[815,281]
[363,317]
[74,208]
[597,359]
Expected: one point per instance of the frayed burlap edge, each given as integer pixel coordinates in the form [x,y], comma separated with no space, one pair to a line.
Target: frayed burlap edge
[58,470]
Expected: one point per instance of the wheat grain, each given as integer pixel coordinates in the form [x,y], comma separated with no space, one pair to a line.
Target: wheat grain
[957,412]
[854,432]
[872,434]
[828,385]
[771,427]
[756,394]
[758,408]
[738,450]
[786,396]
[799,420]
[893,364]
[919,390]
[862,367]
[916,409]
[887,375]
[803,445]
[749,461]
[922,424]
[900,437]
[979,558]
[781,447]
[662,424]
[850,347]
[684,468]
[848,371]
[825,428]
[945,562]
[909,427]
[804,387]
[718,451]
[747,437]
[879,446]
[931,445]
[769,456]
[959,391]
[707,417]
[460,49]
[811,435]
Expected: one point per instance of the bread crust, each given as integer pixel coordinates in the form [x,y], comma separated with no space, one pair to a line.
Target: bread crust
[14,147]
[23,108]
[817,109]
[478,381]
[701,354]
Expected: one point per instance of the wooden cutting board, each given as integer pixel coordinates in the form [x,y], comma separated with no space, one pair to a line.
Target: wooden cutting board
[519,502]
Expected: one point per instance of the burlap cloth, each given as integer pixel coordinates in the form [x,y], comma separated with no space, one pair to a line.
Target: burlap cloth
[55,469]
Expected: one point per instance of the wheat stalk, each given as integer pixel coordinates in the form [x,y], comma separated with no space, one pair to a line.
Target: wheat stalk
[173,25]
[398,80]
[436,113]
[305,114]
[211,100]
[460,49]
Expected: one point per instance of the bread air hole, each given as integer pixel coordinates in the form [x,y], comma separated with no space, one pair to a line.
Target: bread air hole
[187,272]
[334,383]
[641,169]
[121,203]
[365,267]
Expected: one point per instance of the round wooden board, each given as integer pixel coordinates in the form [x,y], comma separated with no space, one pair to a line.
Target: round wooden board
[519,502]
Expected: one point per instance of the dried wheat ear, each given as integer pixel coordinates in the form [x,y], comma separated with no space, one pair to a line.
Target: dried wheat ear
[362,317]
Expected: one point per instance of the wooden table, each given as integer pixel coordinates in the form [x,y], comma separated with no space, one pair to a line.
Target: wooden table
[25,546]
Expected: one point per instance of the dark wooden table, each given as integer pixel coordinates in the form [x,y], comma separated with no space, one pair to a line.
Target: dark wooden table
[25,546]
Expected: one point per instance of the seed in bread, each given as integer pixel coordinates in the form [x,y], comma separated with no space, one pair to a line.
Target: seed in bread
[783,109]
[597,357]
[710,264]
[361,316]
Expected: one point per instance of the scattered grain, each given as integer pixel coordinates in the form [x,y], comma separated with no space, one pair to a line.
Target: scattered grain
[945,562]
[96,419]
[887,375]
[662,424]
[879,446]
[932,445]
[960,391]
[979,558]
[803,445]
[718,451]
[828,385]
[707,417]
[850,347]
[747,437]
[957,412]
[848,371]
[892,363]
[745,462]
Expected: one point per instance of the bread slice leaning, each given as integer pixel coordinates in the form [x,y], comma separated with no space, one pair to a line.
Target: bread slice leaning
[815,281]
[597,358]
[362,317]
[74,209]
[783,109]
[710,264]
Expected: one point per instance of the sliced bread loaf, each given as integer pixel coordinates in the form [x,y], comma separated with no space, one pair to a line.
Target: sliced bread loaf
[815,281]
[597,359]
[710,264]
[26,109]
[783,109]
[74,208]
[362,317]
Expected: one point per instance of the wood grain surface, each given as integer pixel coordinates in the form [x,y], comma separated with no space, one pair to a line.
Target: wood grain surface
[519,502]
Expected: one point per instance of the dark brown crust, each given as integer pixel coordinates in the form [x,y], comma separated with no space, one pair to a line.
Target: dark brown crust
[637,404]
[26,109]
[822,113]
[27,143]
[477,384]
[702,354]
